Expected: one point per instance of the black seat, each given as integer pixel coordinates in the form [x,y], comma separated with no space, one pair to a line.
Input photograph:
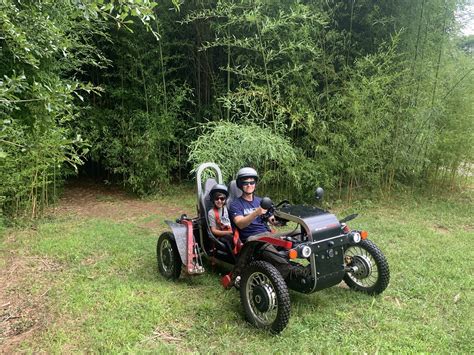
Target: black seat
[205,198]
[234,192]
[223,251]
[205,206]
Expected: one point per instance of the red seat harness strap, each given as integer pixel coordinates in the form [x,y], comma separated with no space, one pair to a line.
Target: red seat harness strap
[235,238]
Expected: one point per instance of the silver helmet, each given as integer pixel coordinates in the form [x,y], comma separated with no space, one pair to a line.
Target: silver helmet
[218,188]
[246,173]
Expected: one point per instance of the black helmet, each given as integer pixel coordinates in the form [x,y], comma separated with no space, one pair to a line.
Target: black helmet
[246,173]
[218,188]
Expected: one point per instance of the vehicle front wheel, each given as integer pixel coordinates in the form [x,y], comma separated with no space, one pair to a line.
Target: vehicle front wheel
[264,296]
[169,261]
[371,273]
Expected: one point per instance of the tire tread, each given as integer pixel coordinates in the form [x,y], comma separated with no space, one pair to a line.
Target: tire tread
[176,271]
[382,264]
[283,296]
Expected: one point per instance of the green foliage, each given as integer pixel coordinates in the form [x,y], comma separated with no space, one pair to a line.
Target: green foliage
[45,47]
[137,126]
[136,145]
[233,146]
[379,121]
[362,110]
[41,42]
[364,94]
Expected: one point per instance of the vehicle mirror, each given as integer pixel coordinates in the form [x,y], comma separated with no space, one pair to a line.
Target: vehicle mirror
[319,193]
[348,218]
[266,203]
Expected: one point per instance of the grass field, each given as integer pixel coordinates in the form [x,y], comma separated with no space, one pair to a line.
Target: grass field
[86,281]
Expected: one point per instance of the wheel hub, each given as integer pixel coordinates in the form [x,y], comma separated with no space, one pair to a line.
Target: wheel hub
[262,298]
[363,266]
[166,255]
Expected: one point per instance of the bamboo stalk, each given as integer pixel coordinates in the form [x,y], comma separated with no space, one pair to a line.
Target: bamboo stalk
[163,77]
[228,74]
[267,77]
[439,58]
[418,36]
[350,33]
[33,195]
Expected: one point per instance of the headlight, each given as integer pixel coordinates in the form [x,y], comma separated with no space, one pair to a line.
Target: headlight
[305,251]
[356,237]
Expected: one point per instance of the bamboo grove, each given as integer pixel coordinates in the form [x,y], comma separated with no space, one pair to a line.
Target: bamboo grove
[342,94]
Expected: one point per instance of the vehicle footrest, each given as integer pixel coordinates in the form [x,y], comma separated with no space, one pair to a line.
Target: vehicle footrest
[226,281]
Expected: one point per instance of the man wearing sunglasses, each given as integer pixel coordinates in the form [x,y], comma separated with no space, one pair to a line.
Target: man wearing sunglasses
[245,211]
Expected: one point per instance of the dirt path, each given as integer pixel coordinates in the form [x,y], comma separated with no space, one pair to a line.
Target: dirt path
[23,314]
[90,200]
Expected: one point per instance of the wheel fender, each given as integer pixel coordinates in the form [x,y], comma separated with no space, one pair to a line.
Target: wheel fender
[245,255]
[179,235]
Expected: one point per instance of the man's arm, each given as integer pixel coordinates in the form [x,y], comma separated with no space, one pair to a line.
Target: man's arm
[244,221]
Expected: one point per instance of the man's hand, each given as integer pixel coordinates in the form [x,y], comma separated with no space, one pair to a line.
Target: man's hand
[260,211]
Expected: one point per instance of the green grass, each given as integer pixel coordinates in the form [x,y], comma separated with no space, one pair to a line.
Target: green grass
[105,294]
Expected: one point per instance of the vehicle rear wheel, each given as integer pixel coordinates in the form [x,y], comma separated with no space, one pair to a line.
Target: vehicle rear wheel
[371,274]
[264,296]
[169,261]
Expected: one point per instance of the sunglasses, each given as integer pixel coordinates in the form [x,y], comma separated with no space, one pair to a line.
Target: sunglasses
[222,199]
[247,183]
